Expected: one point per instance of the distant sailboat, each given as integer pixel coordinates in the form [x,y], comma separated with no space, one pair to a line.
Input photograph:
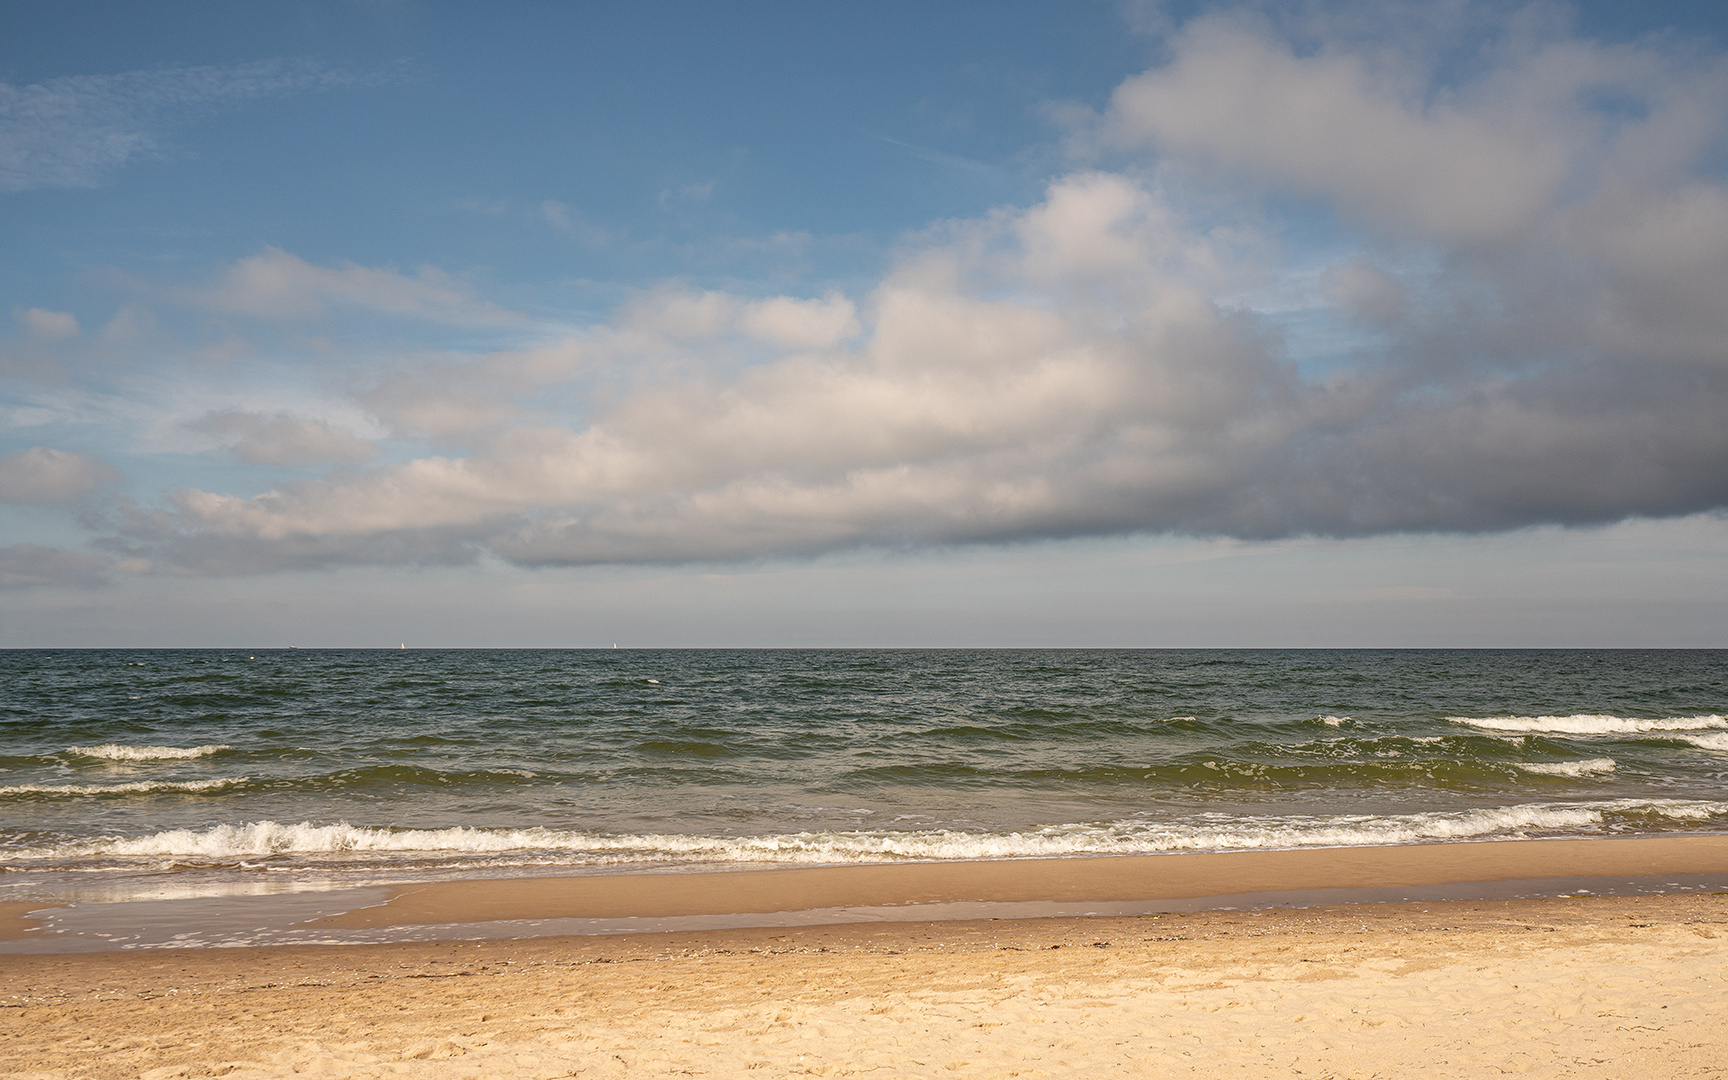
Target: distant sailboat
[404,645]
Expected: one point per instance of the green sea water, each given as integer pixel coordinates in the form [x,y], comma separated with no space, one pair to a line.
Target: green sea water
[365,765]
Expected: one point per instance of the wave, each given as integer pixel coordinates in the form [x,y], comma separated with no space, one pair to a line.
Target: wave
[117,752]
[1592,767]
[137,788]
[308,840]
[1592,724]
[1398,761]
[1708,741]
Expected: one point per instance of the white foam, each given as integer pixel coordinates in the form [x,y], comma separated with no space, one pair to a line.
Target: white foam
[1708,741]
[141,786]
[1592,724]
[116,752]
[309,840]
[1335,721]
[1591,767]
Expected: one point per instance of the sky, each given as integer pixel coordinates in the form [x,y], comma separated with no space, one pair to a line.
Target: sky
[374,322]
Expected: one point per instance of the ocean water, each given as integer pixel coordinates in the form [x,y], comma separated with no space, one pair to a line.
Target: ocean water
[141,772]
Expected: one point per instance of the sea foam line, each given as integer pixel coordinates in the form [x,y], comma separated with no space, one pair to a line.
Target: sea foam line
[1592,724]
[306,839]
[117,752]
[138,787]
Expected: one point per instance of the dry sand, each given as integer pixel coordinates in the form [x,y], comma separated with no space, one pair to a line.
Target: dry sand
[1599,987]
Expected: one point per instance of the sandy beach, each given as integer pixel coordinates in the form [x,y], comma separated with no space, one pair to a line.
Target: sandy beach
[1563,986]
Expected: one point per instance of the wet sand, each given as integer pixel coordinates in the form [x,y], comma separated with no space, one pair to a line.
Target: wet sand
[1600,987]
[908,892]
[1078,880]
[15,920]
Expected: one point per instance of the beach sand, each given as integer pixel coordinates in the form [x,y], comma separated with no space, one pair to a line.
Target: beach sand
[1581,986]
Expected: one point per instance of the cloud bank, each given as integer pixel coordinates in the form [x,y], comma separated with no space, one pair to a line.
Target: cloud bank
[24,566]
[1531,261]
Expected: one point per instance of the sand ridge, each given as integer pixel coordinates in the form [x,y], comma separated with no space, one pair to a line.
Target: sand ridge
[1597,987]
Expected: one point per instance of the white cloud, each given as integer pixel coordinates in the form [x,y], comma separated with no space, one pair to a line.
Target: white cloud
[1098,228]
[677,312]
[802,324]
[785,321]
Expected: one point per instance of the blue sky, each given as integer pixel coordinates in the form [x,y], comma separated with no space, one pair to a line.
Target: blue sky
[807,324]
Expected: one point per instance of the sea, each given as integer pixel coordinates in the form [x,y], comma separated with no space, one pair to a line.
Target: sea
[129,774]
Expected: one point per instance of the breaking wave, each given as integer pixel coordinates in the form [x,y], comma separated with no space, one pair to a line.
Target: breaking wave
[1592,767]
[116,752]
[310,841]
[140,787]
[1592,724]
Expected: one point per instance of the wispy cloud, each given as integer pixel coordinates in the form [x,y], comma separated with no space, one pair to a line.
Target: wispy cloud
[72,132]
[278,286]
[941,157]
[47,325]
[282,438]
[573,224]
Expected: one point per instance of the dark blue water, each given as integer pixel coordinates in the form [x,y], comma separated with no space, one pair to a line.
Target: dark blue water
[379,763]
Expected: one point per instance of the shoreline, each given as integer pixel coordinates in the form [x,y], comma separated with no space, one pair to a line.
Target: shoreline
[874,893]
[1120,878]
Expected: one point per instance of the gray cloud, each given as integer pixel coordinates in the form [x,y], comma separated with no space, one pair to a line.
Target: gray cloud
[1337,125]
[71,132]
[147,543]
[42,474]
[1535,288]
[25,566]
